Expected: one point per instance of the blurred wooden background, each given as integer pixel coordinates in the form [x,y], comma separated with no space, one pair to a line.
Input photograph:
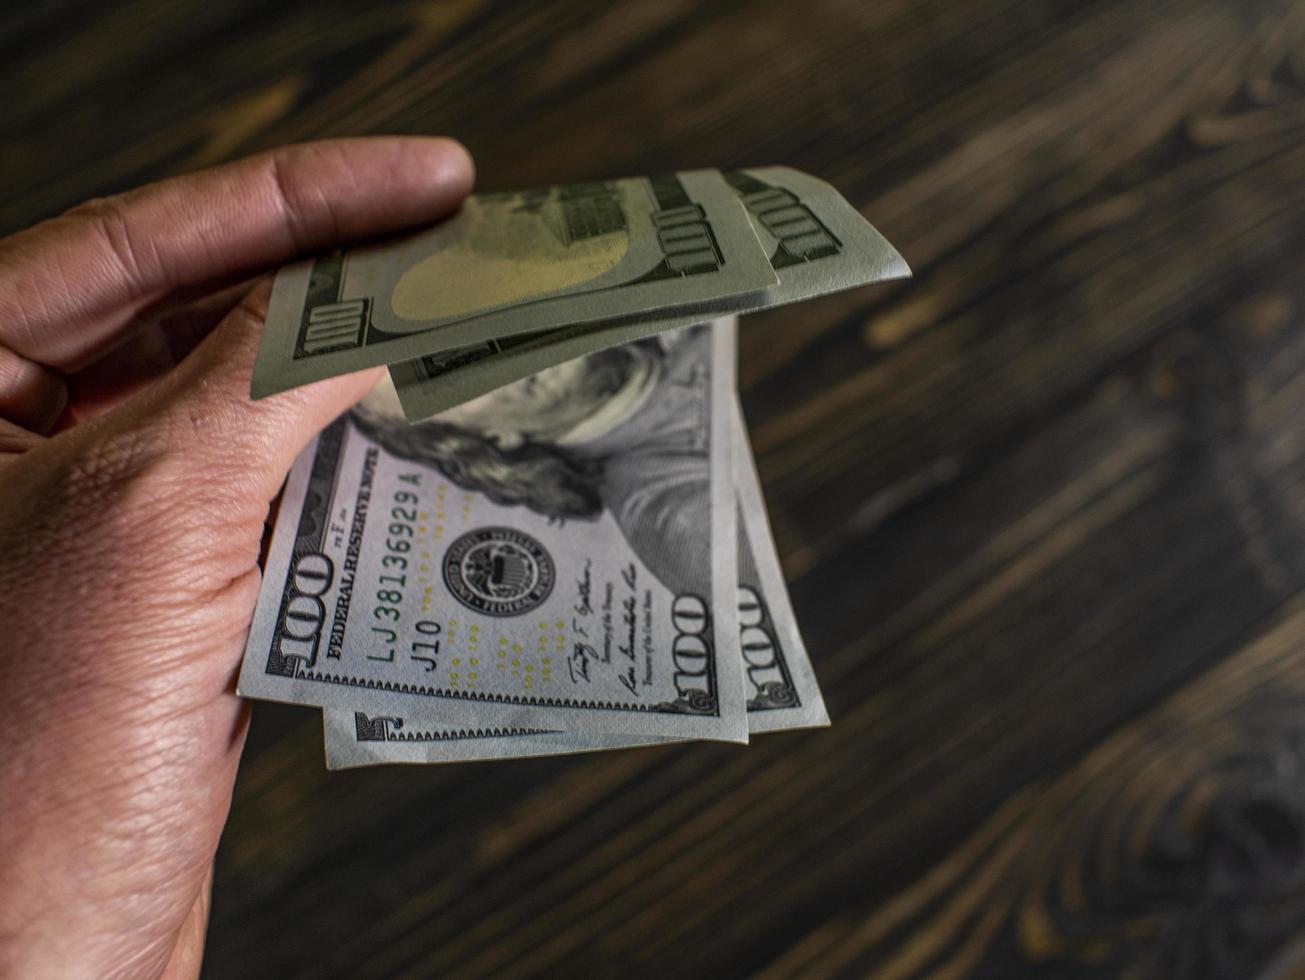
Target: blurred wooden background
[1041,507]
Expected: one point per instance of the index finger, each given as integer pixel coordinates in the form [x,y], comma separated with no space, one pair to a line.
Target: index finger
[71,285]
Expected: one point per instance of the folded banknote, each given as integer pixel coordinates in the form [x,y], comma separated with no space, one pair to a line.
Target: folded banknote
[543,532]
[560,555]
[779,682]
[512,263]
[814,242]
[518,281]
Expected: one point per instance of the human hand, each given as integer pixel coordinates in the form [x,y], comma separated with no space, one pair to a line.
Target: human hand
[129,540]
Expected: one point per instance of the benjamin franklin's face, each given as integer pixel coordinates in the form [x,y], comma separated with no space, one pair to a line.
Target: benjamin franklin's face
[542,406]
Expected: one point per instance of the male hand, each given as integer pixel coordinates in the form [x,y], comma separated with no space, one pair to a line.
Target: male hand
[129,540]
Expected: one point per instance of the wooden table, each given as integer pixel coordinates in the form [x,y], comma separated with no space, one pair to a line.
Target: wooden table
[1041,508]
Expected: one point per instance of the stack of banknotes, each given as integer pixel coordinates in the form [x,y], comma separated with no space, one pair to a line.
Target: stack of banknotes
[543,532]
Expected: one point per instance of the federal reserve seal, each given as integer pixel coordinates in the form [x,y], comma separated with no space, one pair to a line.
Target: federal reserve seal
[499,571]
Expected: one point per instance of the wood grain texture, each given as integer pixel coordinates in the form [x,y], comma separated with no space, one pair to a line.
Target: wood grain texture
[1041,507]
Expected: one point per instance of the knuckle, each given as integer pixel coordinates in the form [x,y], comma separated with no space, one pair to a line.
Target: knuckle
[109,220]
[289,199]
[254,303]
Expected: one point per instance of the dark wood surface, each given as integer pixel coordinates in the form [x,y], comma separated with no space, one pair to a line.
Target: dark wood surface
[1041,508]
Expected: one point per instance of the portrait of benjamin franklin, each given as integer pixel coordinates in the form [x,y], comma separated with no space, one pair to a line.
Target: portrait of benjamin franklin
[623,430]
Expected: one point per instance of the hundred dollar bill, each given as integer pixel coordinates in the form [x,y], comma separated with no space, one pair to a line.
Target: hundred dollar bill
[355,738]
[557,556]
[815,241]
[779,681]
[778,678]
[508,264]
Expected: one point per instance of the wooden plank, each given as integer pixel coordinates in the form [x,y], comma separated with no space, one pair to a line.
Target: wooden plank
[1040,507]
